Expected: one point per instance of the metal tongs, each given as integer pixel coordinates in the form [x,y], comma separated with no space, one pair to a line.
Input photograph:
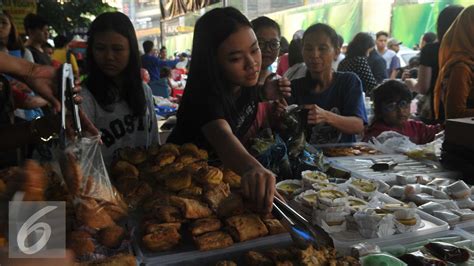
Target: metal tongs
[66,95]
[302,232]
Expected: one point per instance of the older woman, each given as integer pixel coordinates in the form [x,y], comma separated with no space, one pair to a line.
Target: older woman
[334,100]
[455,83]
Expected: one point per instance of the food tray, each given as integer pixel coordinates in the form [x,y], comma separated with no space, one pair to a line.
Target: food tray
[196,257]
[348,145]
[360,166]
[344,240]
[467,227]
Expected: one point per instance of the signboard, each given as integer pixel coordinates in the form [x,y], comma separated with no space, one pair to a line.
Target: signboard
[175,8]
[18,10]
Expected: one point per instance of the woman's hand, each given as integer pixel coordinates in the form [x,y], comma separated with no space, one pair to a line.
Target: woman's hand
[258,185]
[316,114]
[43,80]
[279,107]
[276,87]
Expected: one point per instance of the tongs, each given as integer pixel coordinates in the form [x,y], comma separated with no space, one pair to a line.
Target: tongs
[301,231]
[66,95]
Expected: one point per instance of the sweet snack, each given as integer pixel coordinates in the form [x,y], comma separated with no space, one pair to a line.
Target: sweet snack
[356,204]
[189,148]
[231,178]
[133,155]
[331,198]
[179,181]
[213,240]
[190,208]
[309,198]
[167,214]
[35,181]
[310,177]
[458,190]
[216,194]
[81,243]
[254,258]
[192,192]
[91,214]
[230,206]
[123,168]
[112,236]
[164,159]
[205,225]
[162,239]
[289,187]
[186,159]
[170,148]
[152,227]
[362,188]
[209,175]
[318,185]
[245,227]
[274,226]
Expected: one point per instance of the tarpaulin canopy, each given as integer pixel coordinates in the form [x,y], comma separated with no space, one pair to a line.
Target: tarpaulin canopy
[175,8]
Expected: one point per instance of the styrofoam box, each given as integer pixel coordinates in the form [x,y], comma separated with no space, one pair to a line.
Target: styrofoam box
[343,241]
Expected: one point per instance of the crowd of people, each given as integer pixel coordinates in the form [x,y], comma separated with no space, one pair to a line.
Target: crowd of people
[231,92]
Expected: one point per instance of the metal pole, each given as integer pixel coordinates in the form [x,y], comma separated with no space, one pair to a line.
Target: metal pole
[225,3]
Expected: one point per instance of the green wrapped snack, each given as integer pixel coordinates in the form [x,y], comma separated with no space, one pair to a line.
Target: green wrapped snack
[381,260]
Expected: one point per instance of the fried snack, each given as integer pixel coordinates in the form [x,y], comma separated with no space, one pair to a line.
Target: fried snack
[226,263]
[186,159]
[133,155]
[162,239]
[35,181]
[169,170]
[216,194]
[246,227]
[231,206]
[117,260]
[167,214]
[191,192]
[170,148]
[138,194]
[73,174]
[205,225]
[123,168]
[178,182]
[153,150]
[193,168]
[188,148]
[274,226]
[112,236]
[164,159]
[231,178]
[91,214]
[202,154]
[3,187]
[116,212]
[191,209]
[81,243]
[213,240]
[150,228]
[209,175]
[279,255]
[126,183]
[254,258]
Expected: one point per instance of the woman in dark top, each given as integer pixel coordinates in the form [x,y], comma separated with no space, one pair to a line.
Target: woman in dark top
[334,101]
[356,60]
[220,102]
[428,70]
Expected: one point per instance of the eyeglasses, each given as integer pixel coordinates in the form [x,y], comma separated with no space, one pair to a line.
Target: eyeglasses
[272,45]
[391,107]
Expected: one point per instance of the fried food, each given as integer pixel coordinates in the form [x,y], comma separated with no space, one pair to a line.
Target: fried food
[178,182]
[117,260]
[202,154]
[186,159]
[35,181]
[254,258]
[136,195]
[188,148]
[231,178]
[190,208]
[279,254]
[216,194]
[246,227]
[153,149]
[205,225]
[231,206]
[3,187]
[150,228]
[193,168]
[169,170]
[91,214]
[126,183]
[213,240]
[164,238]
[274,226]
[209,175]
[164,159]
[133,155]
[226,263]
[116,212]
[112,236]
[170,148]
[123,168]
[81,243]
[167,214]
[191,192]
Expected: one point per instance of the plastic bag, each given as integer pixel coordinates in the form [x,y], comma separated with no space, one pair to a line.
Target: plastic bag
[393,142]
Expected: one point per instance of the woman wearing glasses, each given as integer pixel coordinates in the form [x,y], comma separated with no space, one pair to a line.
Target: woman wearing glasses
[268,36]
[334,100]
[392,111]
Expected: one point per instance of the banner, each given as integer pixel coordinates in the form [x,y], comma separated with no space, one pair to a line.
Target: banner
[175,8]
[18,9]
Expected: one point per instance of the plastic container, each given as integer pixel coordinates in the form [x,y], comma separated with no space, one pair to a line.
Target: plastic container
[467,227]
[195,257]
[430,225]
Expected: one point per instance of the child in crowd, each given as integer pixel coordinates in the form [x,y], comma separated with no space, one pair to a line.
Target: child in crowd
[392,112]
[115,98]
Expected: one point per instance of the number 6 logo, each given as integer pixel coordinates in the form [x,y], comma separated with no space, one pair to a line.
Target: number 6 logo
[29,226]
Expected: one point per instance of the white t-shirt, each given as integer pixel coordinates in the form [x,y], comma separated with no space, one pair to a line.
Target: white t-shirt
[119,128]
[388,56]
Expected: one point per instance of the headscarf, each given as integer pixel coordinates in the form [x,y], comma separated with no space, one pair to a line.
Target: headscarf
[456,47]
